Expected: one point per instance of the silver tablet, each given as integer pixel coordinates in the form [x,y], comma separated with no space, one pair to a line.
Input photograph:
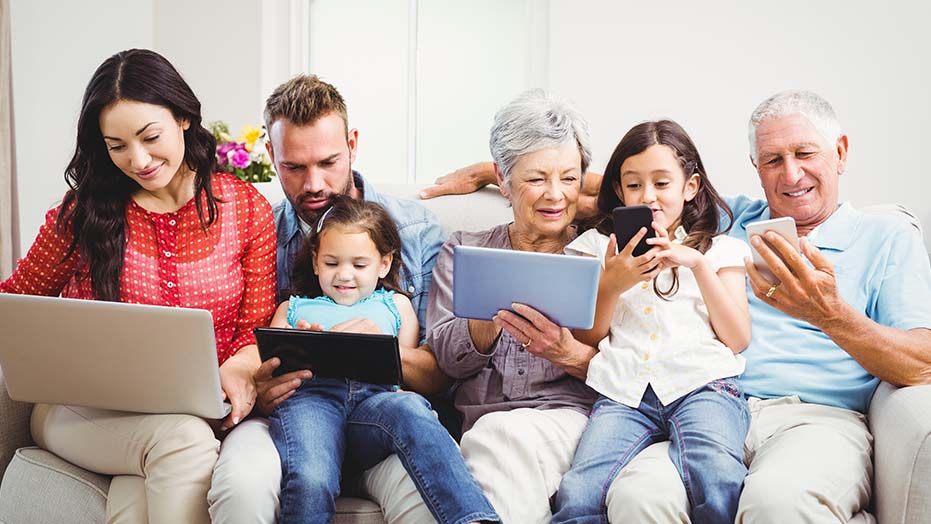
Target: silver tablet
[564,288]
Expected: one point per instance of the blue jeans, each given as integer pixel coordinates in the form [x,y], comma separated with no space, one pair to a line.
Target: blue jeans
[706,430]
[328,421]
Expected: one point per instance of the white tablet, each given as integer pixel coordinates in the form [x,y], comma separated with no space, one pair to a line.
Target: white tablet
[562,287]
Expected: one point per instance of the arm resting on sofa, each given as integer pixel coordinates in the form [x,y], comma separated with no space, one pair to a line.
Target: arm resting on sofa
[900,420]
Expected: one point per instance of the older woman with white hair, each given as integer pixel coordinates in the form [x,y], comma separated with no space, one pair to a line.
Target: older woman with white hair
[523,413]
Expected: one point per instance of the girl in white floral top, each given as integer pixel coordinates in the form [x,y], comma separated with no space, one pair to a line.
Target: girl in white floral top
[669,325]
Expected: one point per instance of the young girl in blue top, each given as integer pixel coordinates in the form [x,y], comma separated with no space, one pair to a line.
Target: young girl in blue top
[669,325]
[346,279]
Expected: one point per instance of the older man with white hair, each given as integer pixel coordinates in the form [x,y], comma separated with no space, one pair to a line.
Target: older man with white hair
[851,309]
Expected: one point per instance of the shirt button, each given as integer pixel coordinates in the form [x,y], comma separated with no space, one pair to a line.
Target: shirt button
[410,289]
[172,222]
[520,371]
[168,254]
[653,336]
[170,284]
[521,349]
[644,285]
[647,310]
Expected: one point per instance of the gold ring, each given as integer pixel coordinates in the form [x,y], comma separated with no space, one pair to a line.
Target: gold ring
[772,289]
[529,341]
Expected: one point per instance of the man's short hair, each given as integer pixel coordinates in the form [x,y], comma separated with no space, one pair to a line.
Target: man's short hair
[303,100]
[816,109]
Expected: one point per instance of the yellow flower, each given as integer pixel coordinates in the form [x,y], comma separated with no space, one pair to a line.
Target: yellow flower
[249,135]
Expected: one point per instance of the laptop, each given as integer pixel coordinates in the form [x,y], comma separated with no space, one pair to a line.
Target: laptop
[564,288]
[109,355]
[365,357]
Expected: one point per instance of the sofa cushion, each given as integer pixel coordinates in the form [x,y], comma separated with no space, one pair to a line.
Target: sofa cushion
[14,428]
[351,510]
[40,487]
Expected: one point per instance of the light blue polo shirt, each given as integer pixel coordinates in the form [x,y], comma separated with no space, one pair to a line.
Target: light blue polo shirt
[882,270]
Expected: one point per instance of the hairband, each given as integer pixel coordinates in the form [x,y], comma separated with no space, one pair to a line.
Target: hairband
[322,218]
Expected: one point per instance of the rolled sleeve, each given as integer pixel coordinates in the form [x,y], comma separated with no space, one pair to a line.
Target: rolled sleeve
[448,335]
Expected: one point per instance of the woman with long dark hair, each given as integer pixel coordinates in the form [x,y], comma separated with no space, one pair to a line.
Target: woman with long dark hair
[147,220]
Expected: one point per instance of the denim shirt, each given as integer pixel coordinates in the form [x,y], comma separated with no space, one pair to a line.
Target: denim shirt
[421,239]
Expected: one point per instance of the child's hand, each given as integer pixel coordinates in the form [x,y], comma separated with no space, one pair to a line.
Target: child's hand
[358,325]
[622,270]
[672,254]
[305,325]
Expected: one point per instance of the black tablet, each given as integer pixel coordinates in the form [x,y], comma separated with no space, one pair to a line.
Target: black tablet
[364,357]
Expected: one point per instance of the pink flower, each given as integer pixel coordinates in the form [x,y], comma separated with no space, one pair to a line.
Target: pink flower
[239,157]
[223,151]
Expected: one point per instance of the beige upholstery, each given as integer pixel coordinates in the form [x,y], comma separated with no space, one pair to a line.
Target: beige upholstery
[39,487]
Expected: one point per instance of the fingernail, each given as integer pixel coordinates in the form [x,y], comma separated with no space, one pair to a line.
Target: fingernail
[235,420]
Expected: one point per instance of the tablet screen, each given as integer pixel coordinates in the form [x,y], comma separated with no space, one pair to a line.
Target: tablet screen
[374,359]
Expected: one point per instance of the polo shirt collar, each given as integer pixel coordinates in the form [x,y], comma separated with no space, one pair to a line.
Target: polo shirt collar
[837,231]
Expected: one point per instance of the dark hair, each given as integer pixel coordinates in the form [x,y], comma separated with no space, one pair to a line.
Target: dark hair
[349,213]
[303,100]
[700,216]
[95,204]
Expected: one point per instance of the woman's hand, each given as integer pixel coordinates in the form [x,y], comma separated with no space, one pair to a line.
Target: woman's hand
[238,387]
[543,338]
[672,254]
[622,270]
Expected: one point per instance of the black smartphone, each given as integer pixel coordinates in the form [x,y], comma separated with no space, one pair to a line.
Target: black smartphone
[627,221]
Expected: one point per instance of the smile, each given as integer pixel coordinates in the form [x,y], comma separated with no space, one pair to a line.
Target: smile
[149,173]
[798,193]
[550,213]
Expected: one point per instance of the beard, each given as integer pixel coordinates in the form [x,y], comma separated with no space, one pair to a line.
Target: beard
[310,216]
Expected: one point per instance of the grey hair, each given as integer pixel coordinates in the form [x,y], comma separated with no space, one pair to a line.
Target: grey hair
[816,109]
[535,121]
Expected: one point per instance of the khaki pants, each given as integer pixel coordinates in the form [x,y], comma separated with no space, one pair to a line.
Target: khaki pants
[247,480]
[807,462]
[518,458]
[162,464]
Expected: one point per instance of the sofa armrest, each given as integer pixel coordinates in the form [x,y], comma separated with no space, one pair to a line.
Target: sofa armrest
[900,420]
[14,425]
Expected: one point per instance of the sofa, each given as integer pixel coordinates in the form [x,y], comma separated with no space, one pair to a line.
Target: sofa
[38,487]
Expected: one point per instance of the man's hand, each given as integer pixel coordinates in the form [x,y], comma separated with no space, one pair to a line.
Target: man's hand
[465,180]
[806,293]
[272,391]
[541,337]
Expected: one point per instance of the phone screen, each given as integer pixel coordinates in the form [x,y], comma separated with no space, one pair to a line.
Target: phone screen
[627,221]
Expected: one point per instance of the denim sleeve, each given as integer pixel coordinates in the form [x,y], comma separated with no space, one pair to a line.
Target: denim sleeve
[432,238]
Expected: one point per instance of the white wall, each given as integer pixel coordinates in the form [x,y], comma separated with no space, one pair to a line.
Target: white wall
[55,48]
[706,65]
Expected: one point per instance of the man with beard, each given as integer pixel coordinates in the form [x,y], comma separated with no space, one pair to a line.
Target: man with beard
[313,148]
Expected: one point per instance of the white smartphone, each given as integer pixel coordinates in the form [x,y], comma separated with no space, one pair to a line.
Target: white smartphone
[785,226]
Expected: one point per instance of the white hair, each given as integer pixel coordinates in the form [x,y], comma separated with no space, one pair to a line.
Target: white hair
[816,109]
[535,121]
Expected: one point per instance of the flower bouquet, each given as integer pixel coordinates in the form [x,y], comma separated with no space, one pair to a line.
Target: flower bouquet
[244,157]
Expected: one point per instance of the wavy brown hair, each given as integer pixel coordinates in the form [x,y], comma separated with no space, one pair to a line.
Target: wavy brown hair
[352,214]
[700,216]
[95,205]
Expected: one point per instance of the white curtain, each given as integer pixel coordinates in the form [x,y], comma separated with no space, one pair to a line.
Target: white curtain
[9,222]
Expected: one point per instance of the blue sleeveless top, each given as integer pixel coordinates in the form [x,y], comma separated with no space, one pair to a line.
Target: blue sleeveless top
[378,307]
